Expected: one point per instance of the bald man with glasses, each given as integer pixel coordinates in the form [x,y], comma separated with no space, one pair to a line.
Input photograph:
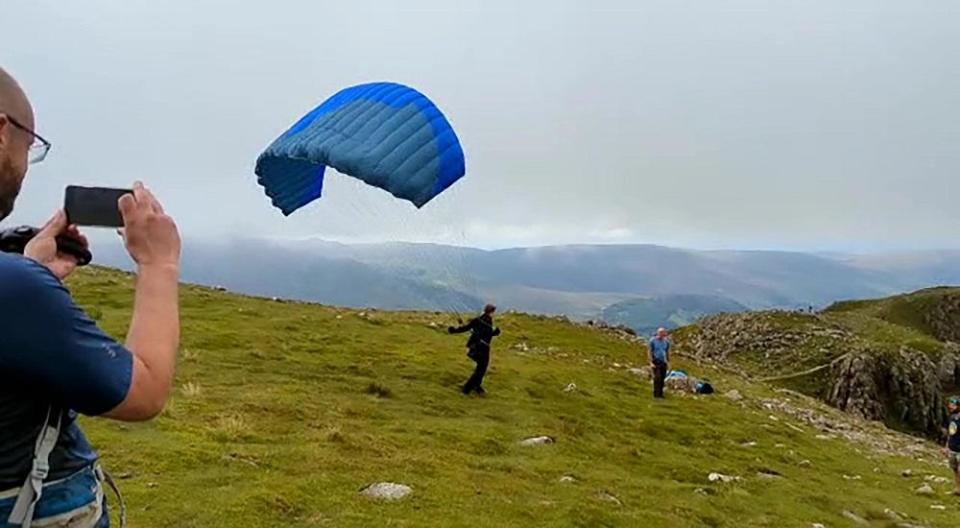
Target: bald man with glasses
[55,362]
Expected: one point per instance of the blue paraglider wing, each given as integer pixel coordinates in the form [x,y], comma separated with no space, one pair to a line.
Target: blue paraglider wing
[386,134]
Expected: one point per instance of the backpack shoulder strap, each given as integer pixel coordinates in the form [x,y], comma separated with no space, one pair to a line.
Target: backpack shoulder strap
[22,513]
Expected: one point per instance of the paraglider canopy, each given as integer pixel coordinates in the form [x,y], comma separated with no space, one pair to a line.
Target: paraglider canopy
[385,134]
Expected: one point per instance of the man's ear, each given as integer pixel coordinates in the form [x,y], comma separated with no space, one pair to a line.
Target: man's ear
[4,131]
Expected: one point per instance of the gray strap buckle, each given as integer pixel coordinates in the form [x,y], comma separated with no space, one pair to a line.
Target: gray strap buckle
[22,513]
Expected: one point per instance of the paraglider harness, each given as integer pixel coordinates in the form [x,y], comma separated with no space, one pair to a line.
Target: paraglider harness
[33,487]
[473,345]
[475,341]
[698,386]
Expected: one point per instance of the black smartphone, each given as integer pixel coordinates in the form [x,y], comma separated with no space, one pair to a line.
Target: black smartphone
[94,206]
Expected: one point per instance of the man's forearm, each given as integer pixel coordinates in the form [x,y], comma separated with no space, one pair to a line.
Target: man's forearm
[154,333]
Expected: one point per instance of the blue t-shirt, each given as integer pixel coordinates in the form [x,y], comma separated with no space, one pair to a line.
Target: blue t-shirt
[51,353]
[660,349]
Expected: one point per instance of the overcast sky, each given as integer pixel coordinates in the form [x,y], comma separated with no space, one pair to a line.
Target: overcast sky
[753,124]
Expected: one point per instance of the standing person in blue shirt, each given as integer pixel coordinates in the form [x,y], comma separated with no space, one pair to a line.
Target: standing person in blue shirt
[54,360]
[952,449]
[659,360]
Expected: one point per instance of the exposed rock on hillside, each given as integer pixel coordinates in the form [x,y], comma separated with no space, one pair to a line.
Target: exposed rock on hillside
[875,386]
[767,334]
[948,369]
[856,386]
[870,379]
[387,491]
[942,317]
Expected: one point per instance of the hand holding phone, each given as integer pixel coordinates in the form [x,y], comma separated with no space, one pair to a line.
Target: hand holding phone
[149,233]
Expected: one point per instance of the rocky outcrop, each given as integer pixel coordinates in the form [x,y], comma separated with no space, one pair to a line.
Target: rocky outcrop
[764,333]
[902,388]
[872,380]
[857,381]
[948,370]
[914,392]
[620,331]
[942,317]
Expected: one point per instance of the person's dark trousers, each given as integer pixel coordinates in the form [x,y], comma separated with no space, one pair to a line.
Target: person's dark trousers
[659,375]
[475,383]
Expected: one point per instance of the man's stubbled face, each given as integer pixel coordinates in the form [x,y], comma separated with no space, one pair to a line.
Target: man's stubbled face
[11,179]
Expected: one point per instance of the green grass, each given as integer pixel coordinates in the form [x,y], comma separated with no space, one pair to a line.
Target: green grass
[906,311]
[283,411]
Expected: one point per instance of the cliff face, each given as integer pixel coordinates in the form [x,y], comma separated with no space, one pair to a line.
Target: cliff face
[902,389]
[892,360]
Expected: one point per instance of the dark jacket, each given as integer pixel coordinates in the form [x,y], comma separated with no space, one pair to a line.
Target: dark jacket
[482,331]
[953,432]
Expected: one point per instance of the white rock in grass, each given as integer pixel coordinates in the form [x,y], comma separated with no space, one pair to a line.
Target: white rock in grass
[720,477]
[537,441]
[855,519]
[388,491]
[926,491]
[606,497]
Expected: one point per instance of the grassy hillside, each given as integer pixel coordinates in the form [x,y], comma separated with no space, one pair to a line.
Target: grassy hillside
[283,411]
[934,312]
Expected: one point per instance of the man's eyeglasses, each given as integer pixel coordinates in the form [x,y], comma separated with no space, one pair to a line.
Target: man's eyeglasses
[39,148]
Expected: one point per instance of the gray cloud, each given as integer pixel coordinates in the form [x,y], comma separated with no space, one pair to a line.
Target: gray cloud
[818,124]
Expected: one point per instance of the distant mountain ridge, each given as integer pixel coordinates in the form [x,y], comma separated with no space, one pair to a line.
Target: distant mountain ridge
[580,281]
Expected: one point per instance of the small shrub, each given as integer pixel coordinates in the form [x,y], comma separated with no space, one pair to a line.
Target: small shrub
[190,389]
[232,427]
[379,391]
[335,435]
